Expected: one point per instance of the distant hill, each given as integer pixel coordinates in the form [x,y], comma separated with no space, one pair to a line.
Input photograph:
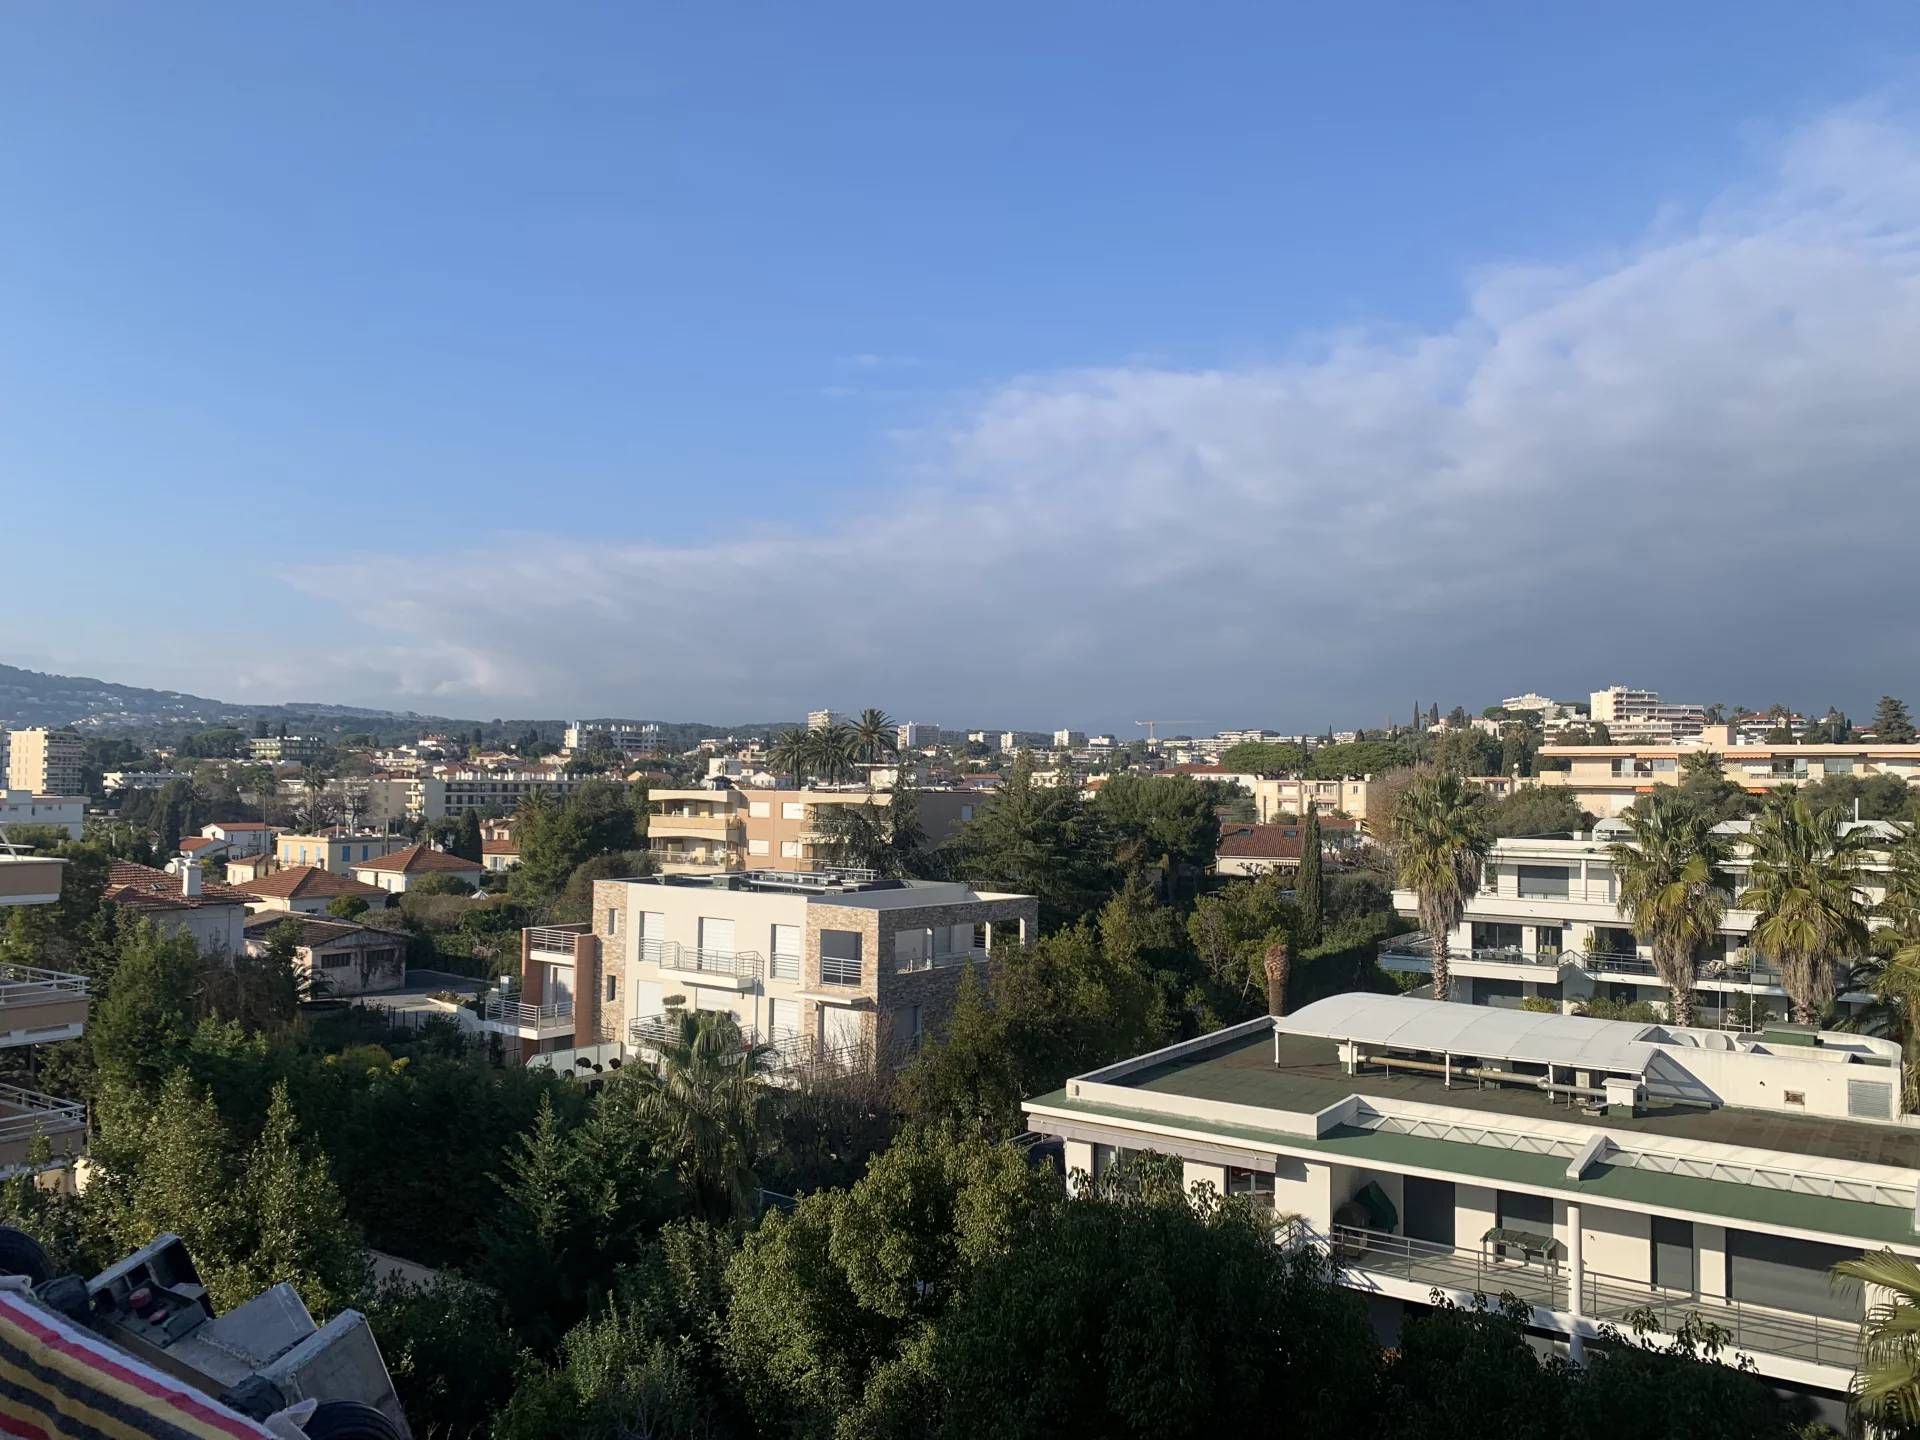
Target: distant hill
[29,698]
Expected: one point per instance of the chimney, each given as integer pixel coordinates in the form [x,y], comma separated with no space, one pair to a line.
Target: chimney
[190,877]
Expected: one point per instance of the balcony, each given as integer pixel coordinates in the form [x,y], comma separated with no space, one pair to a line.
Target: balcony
[693,859]
[783,967]
[555,941]
[30,879]
[506,1013]
[27,1115]
[839,970]
[1415,952]
[692,825]
[724,969]
[37,1005]
[940,960]
[1370,1259]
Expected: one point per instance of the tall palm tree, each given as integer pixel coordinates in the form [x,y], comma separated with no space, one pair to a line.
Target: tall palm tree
[1805,886]
[1893,980]
[1672,888]
[1886,1387]
[1440,840]
[831,751]
[1278,963]
[707,1098]
[875,737]
[791,753]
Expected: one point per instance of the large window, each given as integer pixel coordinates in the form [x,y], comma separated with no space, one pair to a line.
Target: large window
[1543,882]
[793,810]
[1787,1274]
[1254,1186]
[1676,1263]
[840,957]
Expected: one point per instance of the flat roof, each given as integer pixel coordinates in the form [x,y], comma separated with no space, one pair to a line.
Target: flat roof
[1403,1022]
[1310,1077]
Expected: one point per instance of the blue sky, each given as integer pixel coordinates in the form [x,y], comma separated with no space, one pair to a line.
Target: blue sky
[1036,364]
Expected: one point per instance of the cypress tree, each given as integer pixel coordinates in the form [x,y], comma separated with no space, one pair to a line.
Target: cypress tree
[1310,889]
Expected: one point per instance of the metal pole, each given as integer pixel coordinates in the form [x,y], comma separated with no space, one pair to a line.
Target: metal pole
[1576,1283]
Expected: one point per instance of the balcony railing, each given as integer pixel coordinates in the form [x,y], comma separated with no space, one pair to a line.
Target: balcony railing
[691,960]
[835,970]
[555,939]
[508,1008]
[25,984]
[938,960]
[1604,1299]
[1419,947]
[783,967]
[27,1113]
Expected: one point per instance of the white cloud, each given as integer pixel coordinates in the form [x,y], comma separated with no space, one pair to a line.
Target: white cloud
[1690,463]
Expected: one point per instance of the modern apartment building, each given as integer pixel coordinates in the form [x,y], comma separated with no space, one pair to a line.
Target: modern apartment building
[37,1007]
[59,812]
[1631,715]
[286,749]
[703,831]
[1276,798]
[824,719]
[491,792]
[1606,779]
[46,762]
[629,737]
[913,734]
[1593,1169]
[335,851]
[1546,925]
[1069,739]
[831,968]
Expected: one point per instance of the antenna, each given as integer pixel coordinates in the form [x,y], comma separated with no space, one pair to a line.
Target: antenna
[1149,724]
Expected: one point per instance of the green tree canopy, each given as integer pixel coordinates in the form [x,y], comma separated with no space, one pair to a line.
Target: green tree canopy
[1263,757]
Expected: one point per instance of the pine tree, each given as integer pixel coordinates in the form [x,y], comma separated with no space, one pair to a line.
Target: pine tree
[1433,713]
[1892,725]
[302,1235]
[467,845]
[1310,888]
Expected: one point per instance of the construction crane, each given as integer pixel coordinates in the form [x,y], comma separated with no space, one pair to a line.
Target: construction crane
[1149,724]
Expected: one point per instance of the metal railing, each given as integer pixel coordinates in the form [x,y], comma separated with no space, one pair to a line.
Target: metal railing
[938,960]
[838,971]
[653,1030]
[20,984]
[26,1113]
[557,939]
[1419,947]
[783,967]
[509,1008]
[691,960]
[1604,1299]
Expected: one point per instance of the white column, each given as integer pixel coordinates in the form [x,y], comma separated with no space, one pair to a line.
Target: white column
[1576,1282]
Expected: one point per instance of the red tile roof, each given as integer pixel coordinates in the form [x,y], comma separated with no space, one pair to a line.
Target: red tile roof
[141,887]
[307,882]
[195,843]
[1260,842]
[499,847]
[242,825]
[420,859]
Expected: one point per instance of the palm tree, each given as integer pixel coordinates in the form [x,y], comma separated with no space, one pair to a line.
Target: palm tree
[1701,765]
[831,751]
[706,1096]
[1278,961]
[1672,888]
[1441,842]
[1893,980]
[1886,1387]
[875,737]
[1805,886]
[792,753]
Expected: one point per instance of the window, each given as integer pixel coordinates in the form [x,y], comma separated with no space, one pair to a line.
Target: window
[759,810]
[793,810]
[613,920]
[381,959]
[759,847]
[1838,765]
[334,959]
[789,849]
[783,961]
[1676,1264]
[613,988]
[966,812]
[1543,882]
[906,1027]
[839,957]
[912,950]
[1256,1186]
[366,852]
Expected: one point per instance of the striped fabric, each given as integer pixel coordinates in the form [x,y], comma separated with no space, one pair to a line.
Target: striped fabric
[58,1381]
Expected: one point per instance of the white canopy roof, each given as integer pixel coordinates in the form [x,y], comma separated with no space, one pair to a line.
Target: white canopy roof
[1404,1022]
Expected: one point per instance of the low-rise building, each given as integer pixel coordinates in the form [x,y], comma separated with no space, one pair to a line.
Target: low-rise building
[833,968]
[710,830]
[114,781]
[400,870]
[304,889]
[1256,849]
[499,855]
[286,749]
[241,837]
[1546,925]
[181,901]
[337,958]
[1606,779]
[1596,1170]
[335,850]
[1275,798]
[37,1006]
[23,808]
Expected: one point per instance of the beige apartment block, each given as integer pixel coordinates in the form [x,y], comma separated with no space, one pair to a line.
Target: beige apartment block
[335,851]
[1274,799]
[708,831]
[1606,779]
[45,762]
[828,970]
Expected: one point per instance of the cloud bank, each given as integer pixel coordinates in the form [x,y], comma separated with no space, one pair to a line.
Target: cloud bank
[1693,463]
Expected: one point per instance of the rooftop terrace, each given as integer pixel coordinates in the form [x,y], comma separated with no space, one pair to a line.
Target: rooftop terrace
[1309,1078]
